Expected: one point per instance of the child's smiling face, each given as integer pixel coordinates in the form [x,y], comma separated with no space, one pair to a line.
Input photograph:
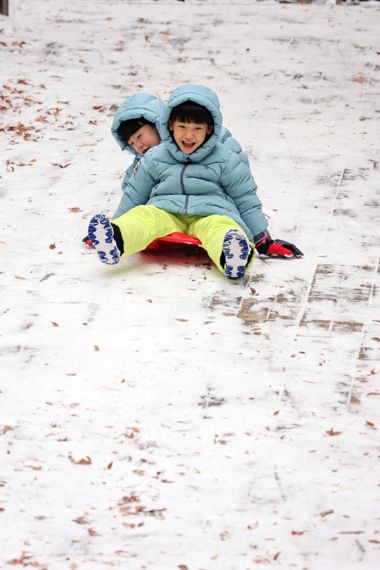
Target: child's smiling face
[189,136]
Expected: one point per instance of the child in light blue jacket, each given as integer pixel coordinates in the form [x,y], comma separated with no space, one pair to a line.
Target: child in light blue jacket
[138,125]
[191,183]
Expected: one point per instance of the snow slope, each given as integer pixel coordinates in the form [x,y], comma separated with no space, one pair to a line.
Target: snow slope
[154,414]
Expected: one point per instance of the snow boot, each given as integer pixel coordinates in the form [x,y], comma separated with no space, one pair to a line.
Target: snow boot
[86,240]
[101,234]
[236,251]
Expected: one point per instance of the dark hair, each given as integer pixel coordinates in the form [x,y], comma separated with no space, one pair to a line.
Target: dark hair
[190,112]
[128,128]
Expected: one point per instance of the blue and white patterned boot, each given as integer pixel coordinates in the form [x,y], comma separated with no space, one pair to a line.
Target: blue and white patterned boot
[100,233]
[236,250]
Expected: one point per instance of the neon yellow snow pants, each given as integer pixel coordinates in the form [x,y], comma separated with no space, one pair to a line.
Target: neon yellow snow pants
[143,224]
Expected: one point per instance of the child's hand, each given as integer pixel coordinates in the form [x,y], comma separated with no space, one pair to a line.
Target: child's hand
[278,248]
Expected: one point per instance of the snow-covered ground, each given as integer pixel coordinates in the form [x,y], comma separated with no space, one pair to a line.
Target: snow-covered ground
[155,415]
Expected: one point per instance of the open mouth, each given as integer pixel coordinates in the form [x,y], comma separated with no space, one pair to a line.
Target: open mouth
[188,145]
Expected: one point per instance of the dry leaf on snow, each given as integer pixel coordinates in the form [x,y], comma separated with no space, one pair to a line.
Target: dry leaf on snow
[83,461]
[331,432]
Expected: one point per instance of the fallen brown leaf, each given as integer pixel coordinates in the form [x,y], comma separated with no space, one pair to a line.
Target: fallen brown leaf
[83,461]
[325,513]
[60,165]
[92,532]
[55,111]
[24,560]
[11,164]
[81,520]
[261,560]
[5,429]
[331,432]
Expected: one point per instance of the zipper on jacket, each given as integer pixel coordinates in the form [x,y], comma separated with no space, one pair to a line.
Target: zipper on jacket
[183,185]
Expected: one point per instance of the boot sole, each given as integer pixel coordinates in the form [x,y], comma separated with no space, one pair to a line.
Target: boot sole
[100,233]
[236,250]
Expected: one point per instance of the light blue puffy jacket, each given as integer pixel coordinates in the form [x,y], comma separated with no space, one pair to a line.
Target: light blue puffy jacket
[139,105]
[212,180]
[153,110]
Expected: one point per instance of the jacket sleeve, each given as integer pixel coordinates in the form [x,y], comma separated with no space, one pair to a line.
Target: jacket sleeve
[239,184]
[132,169]
[231,143]
[136,188]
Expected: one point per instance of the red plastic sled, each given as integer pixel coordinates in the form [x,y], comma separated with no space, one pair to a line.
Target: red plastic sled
[176,238]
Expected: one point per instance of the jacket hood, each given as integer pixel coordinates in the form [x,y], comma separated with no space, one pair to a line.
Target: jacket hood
[139,105]
[203,96]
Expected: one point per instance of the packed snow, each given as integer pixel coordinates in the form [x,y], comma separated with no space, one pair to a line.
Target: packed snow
[155,415]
